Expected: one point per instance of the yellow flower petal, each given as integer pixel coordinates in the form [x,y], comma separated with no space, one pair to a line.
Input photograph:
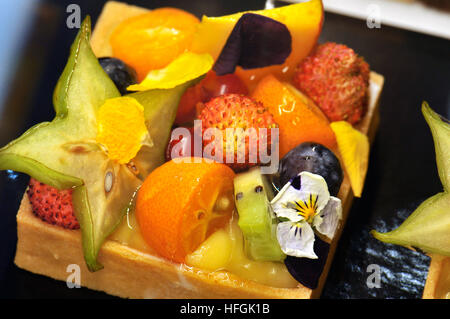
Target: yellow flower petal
[186,67]
[121,128]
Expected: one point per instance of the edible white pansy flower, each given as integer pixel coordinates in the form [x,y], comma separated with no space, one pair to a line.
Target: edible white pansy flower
[304,205]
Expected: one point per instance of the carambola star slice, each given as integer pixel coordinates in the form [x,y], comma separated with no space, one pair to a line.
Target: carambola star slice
[428,227]
[64,153]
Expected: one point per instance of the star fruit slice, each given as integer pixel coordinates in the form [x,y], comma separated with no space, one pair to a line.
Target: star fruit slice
[428,227]
[64,153]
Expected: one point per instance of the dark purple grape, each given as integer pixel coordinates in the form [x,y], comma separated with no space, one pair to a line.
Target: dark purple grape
[120,73]
[314,158]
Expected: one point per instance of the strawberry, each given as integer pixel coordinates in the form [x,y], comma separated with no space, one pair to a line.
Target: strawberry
[211,86]
[236,111]
[52,205]
[336,79]
[184,144]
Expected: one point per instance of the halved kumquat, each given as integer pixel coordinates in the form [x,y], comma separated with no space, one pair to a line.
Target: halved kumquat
[152,40]
[180,204]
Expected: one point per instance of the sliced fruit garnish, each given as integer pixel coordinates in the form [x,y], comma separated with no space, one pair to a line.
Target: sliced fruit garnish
[224,250]
[64,153]
[256,41]
[186,67]
[181,204]
[303,20]
[257,221]
[114,120]
[440,128]
[214,253]
[152,40]
[298,121]
[354,148]
[428,227]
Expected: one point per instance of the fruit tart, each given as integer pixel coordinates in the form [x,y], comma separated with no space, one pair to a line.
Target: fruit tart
[212,158]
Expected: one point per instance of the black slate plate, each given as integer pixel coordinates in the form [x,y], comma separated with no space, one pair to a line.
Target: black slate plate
[402,170]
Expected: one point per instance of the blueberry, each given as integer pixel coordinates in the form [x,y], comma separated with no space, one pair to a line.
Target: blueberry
[314,158]
[120,73]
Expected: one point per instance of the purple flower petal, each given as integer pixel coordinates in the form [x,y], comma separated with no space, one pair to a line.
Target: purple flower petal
[255,42]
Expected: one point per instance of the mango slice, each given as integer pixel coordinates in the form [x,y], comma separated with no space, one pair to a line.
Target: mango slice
[224,251]
[186,67]
[354,148]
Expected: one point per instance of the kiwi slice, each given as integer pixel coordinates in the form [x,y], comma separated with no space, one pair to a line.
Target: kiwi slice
[256,218]
[428,227]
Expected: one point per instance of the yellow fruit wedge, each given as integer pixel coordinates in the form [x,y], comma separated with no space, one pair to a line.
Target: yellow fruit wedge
[224,251]
[354,148]
[186,67]
[214,253]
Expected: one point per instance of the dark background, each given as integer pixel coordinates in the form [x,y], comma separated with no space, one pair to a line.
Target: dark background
[402,171]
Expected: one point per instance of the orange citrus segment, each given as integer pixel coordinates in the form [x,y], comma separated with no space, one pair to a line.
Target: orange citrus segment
[115,118]
[180,204]
[354,148]
[298,121]
[152,40]
[304,21]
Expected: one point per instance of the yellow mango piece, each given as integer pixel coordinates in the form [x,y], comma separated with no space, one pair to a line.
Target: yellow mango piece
[224,251]
[354,148]
[121,128]
[214,254]
[186,67]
